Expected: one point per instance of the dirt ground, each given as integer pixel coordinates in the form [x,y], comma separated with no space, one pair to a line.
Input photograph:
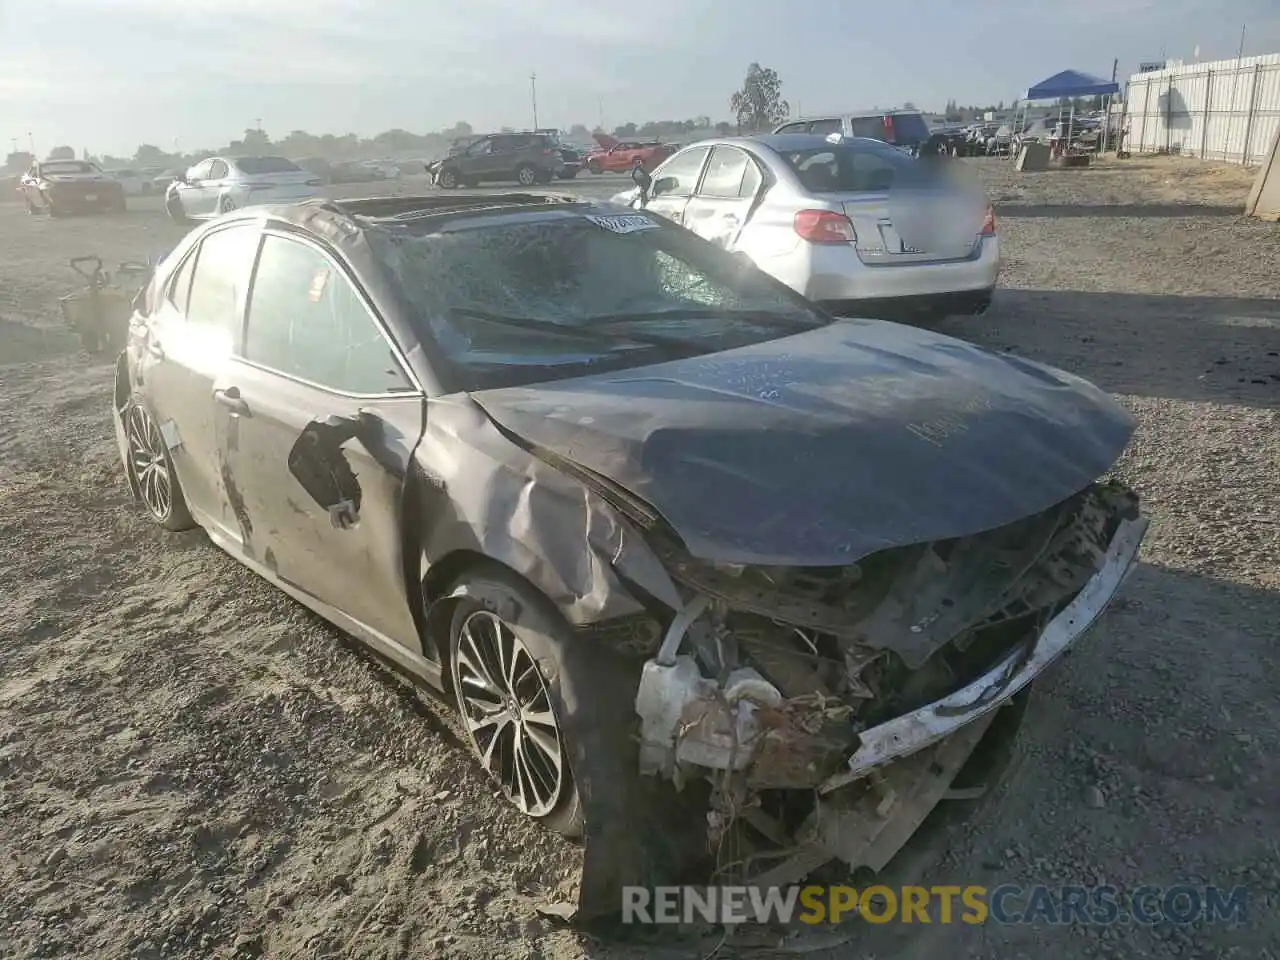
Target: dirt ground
[192,765]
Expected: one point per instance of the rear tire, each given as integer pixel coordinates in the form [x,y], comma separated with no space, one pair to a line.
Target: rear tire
[595,167]
[226,205]
[527,175]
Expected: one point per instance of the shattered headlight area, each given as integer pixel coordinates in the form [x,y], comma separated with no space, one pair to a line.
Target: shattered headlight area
[832,709]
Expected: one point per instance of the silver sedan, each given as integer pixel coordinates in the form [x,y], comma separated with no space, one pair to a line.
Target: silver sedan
[851,223]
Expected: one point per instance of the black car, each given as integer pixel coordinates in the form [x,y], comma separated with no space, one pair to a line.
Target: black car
[527,158]
[646,514]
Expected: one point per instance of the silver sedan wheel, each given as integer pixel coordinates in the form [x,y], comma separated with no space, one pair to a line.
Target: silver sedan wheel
[507,711]
[148,461]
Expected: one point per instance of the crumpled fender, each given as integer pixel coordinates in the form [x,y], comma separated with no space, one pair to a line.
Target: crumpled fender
[483,493]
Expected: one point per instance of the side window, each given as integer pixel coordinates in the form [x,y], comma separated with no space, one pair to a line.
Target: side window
[725,170]
[870,127]
[180,285]
[826,126]
[306,320]
[679,175]
[201,170]
[480,148]
[500,144]
[800,127]
[218,171]
[223,265]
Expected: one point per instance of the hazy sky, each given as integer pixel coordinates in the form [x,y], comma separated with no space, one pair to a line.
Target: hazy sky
[110,74]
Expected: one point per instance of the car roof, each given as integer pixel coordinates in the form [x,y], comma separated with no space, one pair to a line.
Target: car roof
[853,113]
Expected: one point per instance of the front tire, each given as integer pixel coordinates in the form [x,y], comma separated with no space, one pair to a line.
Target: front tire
[447,179]
[150,469]
[173,207]
[595,167]
[226,205]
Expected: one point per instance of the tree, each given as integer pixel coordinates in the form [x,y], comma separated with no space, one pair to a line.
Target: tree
[724,127]
[62,153]
[909,106]
[759,104]
[579,131]
[149,155]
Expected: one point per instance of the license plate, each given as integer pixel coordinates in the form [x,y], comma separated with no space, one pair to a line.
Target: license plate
[90,198]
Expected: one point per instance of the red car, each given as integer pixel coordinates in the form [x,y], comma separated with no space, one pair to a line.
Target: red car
[619,156]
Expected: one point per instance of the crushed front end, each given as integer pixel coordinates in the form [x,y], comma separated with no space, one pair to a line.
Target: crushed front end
[831,709]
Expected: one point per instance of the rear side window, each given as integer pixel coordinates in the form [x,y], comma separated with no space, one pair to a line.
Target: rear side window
[800,127]
[870,127]
[824,127]
[306,320]
[218,170]
[223,265]
[679,175]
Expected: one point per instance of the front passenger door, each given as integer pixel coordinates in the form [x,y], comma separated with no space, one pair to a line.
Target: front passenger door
[318,378]
[674,183]
[725,198]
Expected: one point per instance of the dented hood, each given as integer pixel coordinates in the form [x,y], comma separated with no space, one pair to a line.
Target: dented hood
[821,448]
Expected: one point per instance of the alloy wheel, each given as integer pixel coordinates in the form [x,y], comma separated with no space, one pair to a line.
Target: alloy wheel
[506,708]
[149,462]
[226,205]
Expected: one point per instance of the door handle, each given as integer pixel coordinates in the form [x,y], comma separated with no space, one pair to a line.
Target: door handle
[231,399]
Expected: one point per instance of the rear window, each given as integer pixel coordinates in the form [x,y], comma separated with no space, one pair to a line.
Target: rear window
[255,165]
[864,167]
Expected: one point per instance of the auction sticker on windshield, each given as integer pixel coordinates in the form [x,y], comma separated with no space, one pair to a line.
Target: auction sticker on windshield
[625,222]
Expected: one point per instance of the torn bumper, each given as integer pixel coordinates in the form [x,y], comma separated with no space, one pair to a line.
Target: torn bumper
[689,720]
[916,730]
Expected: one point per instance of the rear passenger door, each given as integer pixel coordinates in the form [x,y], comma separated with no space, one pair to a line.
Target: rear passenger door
[189,338]
[675,182]
[316,361]
[725,196]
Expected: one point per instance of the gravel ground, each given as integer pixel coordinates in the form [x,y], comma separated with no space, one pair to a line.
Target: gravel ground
[191,765]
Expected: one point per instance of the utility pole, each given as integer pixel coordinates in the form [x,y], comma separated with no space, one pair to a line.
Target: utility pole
[533,96]
[31,142]
[600,104]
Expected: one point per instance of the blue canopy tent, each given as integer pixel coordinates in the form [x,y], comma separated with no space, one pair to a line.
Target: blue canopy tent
[1069,84]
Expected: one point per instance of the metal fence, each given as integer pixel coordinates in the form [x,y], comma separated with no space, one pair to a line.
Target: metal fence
[1221,110]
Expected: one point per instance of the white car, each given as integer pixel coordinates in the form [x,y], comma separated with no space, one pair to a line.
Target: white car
[853,223]
[220,184]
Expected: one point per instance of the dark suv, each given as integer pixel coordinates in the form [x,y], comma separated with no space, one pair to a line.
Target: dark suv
[527,158]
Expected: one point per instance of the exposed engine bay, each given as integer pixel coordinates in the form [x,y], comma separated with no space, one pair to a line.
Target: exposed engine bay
[832,708]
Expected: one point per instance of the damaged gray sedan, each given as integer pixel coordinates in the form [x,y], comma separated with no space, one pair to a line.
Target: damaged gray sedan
[704,568]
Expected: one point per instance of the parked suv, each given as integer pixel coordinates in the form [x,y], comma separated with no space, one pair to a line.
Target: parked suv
[527,158]
[901,128]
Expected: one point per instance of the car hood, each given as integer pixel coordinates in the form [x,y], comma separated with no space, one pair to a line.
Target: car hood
[821,448]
